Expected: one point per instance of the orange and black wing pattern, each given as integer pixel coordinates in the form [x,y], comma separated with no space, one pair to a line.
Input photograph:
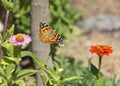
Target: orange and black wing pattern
[48,35]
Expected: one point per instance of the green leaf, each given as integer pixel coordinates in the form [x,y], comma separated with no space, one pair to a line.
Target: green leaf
[0,80]
[8,49]
[5,61]
[0,37]
[19,83]
[25,72]
[70,79]
[9,32]
[9,60]
[57,67]
[63,15]
[100,81]
[43,77]
[94,70]
[58,70]
[33,56]
[7,4]
[9,70]
[2,73]
[12,52]
[3,82]
[51,73]
[33,84]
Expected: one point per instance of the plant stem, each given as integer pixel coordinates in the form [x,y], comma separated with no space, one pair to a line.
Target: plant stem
[100,60]
[3,34]
[99,67]
[99,81]
[5,25]
[46,61]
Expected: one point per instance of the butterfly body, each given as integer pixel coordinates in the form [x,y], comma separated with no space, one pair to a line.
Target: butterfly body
[48,35]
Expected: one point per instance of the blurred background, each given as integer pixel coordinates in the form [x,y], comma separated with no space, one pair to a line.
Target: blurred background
[97,22]
[81,23]
[100,24]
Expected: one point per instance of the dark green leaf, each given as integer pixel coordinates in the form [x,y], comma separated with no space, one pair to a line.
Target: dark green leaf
[94,70]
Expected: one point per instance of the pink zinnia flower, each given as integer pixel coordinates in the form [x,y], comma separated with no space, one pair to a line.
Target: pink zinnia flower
[20,39]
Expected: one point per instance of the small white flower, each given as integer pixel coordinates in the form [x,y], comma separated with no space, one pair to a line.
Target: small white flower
[1,27]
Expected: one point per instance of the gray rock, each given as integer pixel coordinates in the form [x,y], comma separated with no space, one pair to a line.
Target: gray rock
[101,22]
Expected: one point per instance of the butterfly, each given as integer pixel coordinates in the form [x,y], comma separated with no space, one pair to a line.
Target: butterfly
[48,35]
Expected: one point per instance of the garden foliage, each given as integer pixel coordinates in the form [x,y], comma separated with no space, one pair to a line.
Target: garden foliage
[65,72]
[11,48]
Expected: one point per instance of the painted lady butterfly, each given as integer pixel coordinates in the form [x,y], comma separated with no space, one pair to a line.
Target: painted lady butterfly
[48,35]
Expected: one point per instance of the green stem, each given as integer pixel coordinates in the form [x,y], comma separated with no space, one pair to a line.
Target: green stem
[46,61]
[49,73]
[99,66]
[100,60]
[99,81]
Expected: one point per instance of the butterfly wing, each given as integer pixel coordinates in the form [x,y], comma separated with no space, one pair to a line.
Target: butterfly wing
[44,31]
[48,35]
[55,38]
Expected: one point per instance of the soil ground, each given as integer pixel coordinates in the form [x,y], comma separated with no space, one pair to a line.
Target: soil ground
[79,49]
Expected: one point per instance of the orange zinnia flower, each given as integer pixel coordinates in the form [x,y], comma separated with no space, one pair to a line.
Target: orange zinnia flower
[101,50]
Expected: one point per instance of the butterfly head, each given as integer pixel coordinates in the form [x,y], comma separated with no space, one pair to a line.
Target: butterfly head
[42,24]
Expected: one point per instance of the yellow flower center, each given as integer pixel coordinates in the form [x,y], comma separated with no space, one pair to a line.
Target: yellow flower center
[98,46]
[19,37]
